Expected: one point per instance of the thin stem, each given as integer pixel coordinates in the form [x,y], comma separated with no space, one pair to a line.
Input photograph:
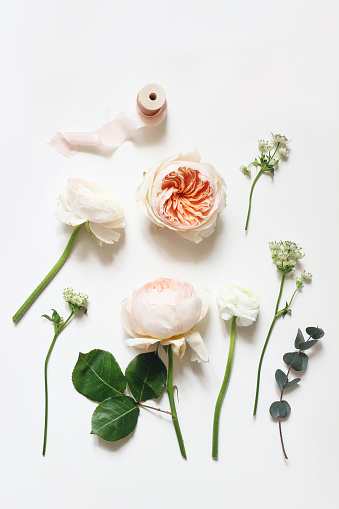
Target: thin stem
[282,441]
[153,408]
[172,404]
[266,343]
[288,305]
[57,333]
[215,439]
[250,198]
[49,276]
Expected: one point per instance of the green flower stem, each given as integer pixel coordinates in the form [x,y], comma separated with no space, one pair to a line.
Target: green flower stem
[276,315]
[215,439]
[282,311]
[250,198]
[172,404]
[49,276]
[57,333]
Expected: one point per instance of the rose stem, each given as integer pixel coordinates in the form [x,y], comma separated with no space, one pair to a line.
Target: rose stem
[215,440]
[18,315]
[153,408]
[266,343]
[57,332]
[172,404]
[250,198]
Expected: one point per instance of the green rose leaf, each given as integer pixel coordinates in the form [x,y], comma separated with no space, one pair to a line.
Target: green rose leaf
[98,376]
[115,418]
[281,378]
[292,383]
[146,376]
[308,344]
[280,409]
[299,339]
[315,332]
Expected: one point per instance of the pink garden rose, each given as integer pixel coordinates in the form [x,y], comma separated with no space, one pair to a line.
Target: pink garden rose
[87,202]
[166,311]
[184,195]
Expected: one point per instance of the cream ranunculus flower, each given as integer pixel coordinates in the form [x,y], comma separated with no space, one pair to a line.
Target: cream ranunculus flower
[235,300]
[184,195]
[166,310]
[87,202]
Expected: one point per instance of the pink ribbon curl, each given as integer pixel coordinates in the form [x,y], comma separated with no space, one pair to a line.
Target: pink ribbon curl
[151,110]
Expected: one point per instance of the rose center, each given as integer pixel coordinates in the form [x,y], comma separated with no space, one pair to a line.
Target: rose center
[187,197]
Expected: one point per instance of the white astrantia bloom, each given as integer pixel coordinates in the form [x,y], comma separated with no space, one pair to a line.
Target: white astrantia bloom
[166,311]
[87,202]
[278,138]
[239,301]
[306,275]
[245,170]
[79,299]
[285,255]
[283,151]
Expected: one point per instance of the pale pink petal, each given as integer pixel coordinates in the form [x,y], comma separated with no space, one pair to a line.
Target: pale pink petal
[143,343]
[104,234]
[178,345]
[195,341]
[66,216]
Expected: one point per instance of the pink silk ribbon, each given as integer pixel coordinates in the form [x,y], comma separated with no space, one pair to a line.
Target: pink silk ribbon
[110,135]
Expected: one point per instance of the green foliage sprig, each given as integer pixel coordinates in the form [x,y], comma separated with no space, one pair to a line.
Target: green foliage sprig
[77,302]
[297,361]
[98,376]
[271,154]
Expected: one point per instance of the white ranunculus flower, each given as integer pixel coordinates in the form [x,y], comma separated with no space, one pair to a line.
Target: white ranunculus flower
[165,311]
[235,300]
[87,202]
[184,195]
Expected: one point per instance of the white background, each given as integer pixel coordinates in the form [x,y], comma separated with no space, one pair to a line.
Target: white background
[233,72]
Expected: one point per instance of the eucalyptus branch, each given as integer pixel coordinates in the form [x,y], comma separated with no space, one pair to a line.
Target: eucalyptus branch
[297,361]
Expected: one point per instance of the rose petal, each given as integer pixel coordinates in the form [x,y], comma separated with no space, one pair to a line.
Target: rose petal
[196,342]
[143,343]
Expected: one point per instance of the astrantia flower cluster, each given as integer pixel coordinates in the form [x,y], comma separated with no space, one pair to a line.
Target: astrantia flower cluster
[303,277]
[285,255]
[270,154]
[70,296]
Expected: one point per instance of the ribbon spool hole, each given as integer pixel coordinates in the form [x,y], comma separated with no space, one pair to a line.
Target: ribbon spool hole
[151,99]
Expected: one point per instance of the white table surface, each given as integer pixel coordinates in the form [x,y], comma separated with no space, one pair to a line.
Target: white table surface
[233,72]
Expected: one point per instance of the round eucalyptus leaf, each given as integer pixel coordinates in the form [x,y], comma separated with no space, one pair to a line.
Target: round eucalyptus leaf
[293,359]
[280,409]
[98,376]
[115,418]
[146,376]
[315,332]
[304,360]
[281,378]
[299,339]
[308,344]
[292,383]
